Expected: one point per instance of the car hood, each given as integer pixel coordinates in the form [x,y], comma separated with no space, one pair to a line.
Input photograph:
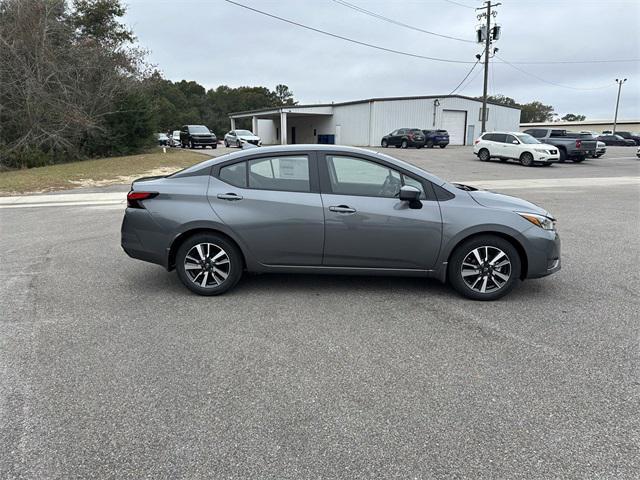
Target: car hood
[504,202]
[248,137]
[546,146]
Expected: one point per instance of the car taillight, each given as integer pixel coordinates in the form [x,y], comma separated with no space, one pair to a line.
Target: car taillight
[477,141]
[134,198]
[578,143]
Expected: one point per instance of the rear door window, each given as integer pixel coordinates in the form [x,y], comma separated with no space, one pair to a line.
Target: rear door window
[287,173]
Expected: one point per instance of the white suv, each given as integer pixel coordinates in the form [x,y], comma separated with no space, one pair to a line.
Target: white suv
[515,146]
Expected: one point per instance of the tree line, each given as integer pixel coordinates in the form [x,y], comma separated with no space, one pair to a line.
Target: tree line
[74,85]
[533,111]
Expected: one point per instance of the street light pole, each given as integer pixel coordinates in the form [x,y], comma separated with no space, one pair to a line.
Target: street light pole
[615,118]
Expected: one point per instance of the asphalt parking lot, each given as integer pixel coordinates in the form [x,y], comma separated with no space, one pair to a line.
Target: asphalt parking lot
[110,368]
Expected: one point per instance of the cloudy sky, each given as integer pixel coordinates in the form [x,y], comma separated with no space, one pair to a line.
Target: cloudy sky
[214,43]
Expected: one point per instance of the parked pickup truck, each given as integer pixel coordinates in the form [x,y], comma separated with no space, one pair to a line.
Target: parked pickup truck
[569,147]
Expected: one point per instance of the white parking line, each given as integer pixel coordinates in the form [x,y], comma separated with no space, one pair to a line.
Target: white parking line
[536,183]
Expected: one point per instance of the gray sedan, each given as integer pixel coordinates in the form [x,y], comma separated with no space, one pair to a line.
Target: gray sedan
[336,210]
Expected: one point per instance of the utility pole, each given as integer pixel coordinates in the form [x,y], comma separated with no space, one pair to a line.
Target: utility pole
[615,118]
[489,35]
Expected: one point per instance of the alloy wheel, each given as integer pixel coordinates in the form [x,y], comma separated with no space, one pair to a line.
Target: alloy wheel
[207,265]
[486,269]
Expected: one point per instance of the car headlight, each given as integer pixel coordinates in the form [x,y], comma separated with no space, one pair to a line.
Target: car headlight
[546,223]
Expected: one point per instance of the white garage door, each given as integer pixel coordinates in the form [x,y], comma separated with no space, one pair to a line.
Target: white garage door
[453,121]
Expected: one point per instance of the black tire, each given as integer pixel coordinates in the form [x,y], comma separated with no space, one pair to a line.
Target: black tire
[429,144]
[526,159]
[419,146]
[454,269]
[214,146]
[384,143]
[598,155]
[226,144]
[191,144]
[442,146]
[484,155]
[239,144]
[232,253]
[578,159]
[563,155]
[404,144]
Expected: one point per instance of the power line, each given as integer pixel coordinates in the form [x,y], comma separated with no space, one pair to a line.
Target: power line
[466,76]
[549,82]
[569,62]
[395,22]
[347,39]
[459,4]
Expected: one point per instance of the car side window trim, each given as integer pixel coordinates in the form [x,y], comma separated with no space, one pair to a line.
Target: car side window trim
[325,179]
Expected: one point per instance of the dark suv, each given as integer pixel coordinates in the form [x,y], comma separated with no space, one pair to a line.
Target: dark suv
[436,137]
[404,137]
[193,136]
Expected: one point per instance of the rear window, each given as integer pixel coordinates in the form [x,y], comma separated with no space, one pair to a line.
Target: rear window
[442,132]
[558,133]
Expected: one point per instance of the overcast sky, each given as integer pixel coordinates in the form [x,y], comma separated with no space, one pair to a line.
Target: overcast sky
[214,43]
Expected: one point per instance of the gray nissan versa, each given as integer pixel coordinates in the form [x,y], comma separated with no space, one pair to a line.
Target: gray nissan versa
[337,210]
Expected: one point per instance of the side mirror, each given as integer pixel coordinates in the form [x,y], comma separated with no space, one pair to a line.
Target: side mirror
[515,142]
[409,193]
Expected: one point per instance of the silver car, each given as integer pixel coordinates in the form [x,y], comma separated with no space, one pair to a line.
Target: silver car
[336,210]
[236,138]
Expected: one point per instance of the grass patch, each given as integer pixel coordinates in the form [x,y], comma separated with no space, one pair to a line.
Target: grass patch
[103,171]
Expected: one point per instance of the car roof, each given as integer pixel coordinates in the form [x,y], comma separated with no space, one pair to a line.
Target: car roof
[288,149]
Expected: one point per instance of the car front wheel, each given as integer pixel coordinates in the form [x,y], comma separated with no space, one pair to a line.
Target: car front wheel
[526,159]
[404,144]
[486,267]
[208,264]
[385,144]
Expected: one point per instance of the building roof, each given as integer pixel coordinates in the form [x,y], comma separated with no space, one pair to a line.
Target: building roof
[577,123]
[367,100]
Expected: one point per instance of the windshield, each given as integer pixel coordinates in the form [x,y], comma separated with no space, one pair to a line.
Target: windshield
[524,138]
[198,129]
[244,132]
[416,130]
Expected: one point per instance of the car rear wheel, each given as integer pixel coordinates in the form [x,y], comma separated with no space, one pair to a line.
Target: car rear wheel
[486,267]
[208,264]
[385,144]
[404,144]
[238,144]
[442,146]
[191,144]
[484,155]
[578,159]
[526,159]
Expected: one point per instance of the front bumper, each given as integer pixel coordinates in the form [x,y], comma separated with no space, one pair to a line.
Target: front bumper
[543,252]
[546,157]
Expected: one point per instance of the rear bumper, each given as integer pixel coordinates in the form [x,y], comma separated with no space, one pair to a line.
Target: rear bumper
[543,252]
[140,239]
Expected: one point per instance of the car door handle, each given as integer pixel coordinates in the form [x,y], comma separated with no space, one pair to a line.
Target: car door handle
[342,209]
[229,196]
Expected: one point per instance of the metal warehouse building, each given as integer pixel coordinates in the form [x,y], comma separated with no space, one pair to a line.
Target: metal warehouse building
[365,122]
